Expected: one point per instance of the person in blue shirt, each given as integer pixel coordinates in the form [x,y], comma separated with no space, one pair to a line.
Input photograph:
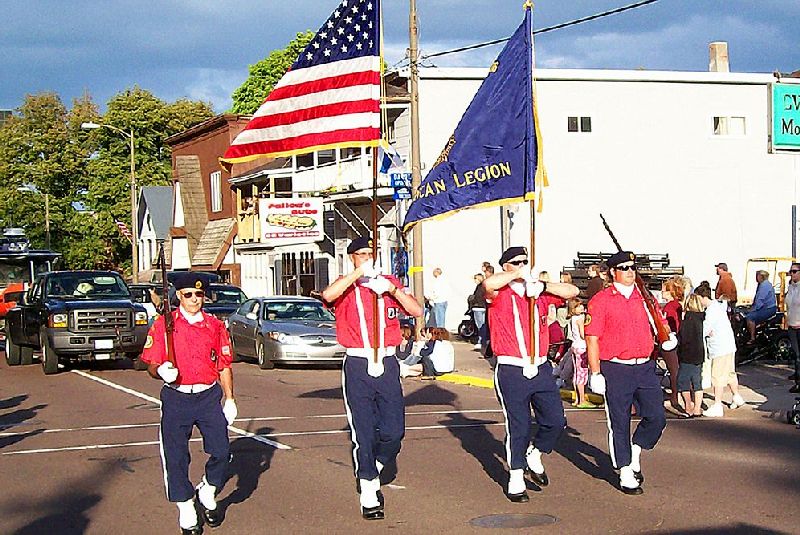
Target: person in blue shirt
[764,304]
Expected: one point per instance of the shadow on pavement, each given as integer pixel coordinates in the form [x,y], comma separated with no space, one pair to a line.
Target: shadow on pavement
[585,457]
[770,382]
[12,402]
[65,513]
[430,394]
[15,418]
[249,459]
[479,442]
[734,529]
[324,393]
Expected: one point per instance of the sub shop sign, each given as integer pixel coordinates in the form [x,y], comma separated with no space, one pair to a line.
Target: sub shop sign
[293,220]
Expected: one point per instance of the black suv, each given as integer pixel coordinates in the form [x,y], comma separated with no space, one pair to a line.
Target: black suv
[75,316]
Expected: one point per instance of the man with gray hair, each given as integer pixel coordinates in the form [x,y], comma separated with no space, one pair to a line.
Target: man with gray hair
[764,304]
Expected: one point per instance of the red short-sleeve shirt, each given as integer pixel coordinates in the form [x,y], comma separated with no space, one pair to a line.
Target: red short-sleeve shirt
[620,324]
[201,349]
[348,321]
[502,330]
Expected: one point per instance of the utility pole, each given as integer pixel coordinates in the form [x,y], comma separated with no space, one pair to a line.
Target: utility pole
[416,174]
[134,215]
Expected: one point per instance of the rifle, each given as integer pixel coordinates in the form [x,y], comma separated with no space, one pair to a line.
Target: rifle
[663,333]
[169,321]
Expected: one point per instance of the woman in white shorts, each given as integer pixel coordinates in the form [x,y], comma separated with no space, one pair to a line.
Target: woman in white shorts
[721,345]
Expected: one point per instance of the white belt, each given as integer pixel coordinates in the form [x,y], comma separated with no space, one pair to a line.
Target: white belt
[519,361]
[630,361]
[370,352]
[191,389]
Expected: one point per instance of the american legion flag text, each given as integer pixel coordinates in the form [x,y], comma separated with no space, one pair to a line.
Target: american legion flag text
[330,97]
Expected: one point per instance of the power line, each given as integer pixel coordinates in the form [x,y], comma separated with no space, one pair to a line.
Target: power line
[545,30]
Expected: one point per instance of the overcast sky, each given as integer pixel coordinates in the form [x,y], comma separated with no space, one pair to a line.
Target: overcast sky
[201,49]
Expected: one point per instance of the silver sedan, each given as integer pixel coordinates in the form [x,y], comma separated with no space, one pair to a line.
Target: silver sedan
[285,329]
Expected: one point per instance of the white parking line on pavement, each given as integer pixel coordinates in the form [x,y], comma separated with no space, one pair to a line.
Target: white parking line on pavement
[144,396]
[249,435]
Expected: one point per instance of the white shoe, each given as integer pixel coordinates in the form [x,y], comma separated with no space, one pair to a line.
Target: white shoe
[476,346]
[636,455]
[207,493]
[187,514]
[534,460]
[369,493]
[737,402]
[628,482]
[714,411]
[516,482]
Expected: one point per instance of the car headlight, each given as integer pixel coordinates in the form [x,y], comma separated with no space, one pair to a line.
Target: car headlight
[140,318]
[283,338]
[58,321]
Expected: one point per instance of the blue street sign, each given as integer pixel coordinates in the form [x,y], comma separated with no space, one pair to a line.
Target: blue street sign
[401,180]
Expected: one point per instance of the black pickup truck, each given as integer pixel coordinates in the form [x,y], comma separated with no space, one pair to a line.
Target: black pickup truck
[75,316]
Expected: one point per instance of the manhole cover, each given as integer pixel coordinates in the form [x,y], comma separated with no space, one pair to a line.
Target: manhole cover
[513,521]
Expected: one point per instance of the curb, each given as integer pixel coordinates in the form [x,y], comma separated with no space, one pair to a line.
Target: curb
[470,380]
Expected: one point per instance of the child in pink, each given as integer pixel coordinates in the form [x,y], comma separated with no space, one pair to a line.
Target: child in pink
[577,317]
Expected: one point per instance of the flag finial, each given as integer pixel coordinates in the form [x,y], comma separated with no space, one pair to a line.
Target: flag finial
[527,5]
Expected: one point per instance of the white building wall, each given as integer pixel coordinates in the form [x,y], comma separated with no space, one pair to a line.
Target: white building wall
[651,165]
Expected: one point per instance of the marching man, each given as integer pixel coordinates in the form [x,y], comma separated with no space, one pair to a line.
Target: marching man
[522,380]
[373,396]
[192,396]
[619,341]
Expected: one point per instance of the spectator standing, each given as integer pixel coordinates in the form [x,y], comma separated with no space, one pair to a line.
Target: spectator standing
[793,321]
[672,292]
[691,354]
[764,304]
[595,283]
[726,288]
[721,345]
[478,307]
[437,294]
[580,376]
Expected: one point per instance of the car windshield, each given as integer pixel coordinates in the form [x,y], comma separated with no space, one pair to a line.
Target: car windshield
[86,286]
[296,310]
[226,296]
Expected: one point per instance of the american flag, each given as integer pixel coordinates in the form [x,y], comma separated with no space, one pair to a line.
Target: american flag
[123,229]
[330,97]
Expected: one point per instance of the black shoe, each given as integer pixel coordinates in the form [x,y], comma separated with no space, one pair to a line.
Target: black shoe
[639,477]
[635,491]
[793,377]
[540,479]
[372,513]
[196,530]
[212,517]
[795,389]
[522,497]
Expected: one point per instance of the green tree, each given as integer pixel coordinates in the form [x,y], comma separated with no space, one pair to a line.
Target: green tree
[266,73]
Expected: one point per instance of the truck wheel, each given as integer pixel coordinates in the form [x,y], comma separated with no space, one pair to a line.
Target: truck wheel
[12,351]
[263,362]
[25,355]
[49,358]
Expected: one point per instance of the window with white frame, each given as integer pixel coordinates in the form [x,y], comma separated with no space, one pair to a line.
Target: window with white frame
[729,126]
[216,191]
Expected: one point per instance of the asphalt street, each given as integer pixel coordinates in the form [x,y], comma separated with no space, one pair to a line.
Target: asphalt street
[79,454]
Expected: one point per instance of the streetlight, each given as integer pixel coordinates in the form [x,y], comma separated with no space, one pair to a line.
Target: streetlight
[30,188]
[134,221]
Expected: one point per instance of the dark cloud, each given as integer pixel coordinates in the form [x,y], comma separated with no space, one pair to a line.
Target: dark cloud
[202,48]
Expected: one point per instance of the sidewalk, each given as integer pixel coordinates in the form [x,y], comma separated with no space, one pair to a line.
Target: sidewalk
[764,387]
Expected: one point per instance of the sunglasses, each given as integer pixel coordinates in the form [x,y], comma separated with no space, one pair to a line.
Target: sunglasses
[793,271]
[197,293]
[625,268]
[518,262]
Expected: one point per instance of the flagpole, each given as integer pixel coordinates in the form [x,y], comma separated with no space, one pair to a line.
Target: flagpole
[375,319]
[416,174]
[528,6]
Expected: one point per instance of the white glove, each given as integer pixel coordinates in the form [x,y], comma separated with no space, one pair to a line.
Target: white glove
[168,372]
[369,269]
[597,383]
[379,285]
[375,369]
[530,370]
[671,343]
[229,410]
[534,288]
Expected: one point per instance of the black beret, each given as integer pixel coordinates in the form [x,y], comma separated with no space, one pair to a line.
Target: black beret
[620,258]
[511,252]
[359,243]
[190,279]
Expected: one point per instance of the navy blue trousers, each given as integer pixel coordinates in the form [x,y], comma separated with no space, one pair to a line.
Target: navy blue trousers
[517,394]
[376,414]
[626,385]
[179,414]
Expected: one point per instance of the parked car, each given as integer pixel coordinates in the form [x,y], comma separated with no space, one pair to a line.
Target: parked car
[285,329]
[223,300]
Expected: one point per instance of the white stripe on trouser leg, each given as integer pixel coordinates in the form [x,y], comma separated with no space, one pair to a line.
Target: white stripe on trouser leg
[610,433]
[350,419]
[161,451]
[505,414]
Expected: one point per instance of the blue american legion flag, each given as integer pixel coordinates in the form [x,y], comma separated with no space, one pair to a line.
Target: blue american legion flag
[329,98]
[494,155]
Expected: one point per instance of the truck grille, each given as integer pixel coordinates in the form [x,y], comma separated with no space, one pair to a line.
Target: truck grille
[101,320]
